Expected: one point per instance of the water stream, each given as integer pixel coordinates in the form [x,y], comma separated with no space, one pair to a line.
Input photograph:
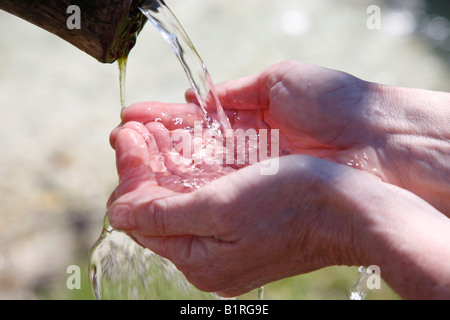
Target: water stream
[199,78]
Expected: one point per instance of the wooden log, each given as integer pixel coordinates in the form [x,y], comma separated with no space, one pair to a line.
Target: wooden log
[106,29]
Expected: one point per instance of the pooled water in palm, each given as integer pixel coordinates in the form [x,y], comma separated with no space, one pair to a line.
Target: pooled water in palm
[120,268]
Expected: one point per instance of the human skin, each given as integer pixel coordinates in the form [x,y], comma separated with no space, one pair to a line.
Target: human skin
[243,229]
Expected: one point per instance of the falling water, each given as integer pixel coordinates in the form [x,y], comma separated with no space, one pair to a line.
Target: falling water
[359,289]
[199,78]
[122,269]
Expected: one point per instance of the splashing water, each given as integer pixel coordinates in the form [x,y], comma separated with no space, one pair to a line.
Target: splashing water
[122,269]
[359,289]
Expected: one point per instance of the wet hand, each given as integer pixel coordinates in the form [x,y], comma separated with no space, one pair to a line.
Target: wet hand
[241,230]
[399,135]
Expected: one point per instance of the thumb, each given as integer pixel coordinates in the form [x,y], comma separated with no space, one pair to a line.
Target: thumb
[251,92]
[155,211]
[242,94]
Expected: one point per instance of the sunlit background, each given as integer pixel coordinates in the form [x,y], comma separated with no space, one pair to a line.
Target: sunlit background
[58,106]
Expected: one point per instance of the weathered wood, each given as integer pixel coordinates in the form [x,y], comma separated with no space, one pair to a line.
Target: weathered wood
[108,28]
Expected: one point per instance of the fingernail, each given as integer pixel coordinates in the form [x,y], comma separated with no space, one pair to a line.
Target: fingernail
[121,217]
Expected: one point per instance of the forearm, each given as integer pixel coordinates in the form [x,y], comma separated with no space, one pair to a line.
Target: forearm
[412,130]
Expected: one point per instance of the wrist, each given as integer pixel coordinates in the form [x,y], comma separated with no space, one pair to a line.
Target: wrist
[346,196]
[395,230]
[408,240]
[411,130]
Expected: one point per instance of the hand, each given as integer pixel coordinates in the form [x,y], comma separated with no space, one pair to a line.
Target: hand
[400,135]
[244,230]
[237,232]
[196,229]
[316,111]
[319,112]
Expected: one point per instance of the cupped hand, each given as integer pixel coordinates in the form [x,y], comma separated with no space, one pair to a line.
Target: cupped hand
[399,135]
[241,230]
[319,111]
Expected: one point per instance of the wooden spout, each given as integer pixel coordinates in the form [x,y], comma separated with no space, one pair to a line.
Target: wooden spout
[105,29]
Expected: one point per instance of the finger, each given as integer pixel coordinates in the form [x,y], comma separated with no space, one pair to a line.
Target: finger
[154,137]
[158,212]
[120,210]
[155,212]
[113,136]
[251,92]
[162,141]
[122,157]
[173,160]
[131,153]
[171,115]
[191,97]
[172,248]
[241,93]
[132,161]
[183,142]
[161,136]
[137,126]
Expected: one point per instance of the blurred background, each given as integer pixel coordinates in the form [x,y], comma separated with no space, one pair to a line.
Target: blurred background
[58,106]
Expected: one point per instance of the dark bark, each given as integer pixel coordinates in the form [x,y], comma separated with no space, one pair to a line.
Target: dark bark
[108,28]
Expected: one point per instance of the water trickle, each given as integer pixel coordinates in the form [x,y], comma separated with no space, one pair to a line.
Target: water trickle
[122,62]
[260,293]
